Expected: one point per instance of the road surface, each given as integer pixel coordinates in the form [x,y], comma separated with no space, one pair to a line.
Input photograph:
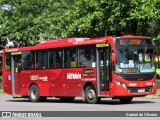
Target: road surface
[149,104]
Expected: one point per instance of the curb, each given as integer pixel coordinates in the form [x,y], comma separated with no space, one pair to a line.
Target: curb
[153,97]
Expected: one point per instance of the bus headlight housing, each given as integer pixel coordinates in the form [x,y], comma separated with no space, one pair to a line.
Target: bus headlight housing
[121,84]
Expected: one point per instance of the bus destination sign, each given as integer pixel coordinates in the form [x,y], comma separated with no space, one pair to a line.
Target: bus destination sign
[130,41]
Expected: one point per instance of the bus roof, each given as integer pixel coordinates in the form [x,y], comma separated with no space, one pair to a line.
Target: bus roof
[70,42]
[59,41]
[63,43]
[131,36]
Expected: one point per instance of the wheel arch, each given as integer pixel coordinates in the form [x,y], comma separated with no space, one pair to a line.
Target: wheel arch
[87,84]
[33,83]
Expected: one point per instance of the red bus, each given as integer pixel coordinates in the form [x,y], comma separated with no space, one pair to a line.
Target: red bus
[92,68]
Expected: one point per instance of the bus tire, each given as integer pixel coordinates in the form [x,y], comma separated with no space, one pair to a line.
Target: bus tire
[91,95]
[67,99]
[125,100]
[34,95]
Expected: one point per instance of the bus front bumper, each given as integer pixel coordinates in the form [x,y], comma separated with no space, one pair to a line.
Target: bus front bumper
[136,89]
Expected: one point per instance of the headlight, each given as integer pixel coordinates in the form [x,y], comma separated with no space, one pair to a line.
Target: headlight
[121,84]
[118,82]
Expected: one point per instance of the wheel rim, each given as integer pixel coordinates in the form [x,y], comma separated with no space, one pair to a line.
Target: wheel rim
[91,94]
[34,94]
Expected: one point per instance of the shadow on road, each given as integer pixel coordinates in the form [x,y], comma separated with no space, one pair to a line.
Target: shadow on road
[80,101]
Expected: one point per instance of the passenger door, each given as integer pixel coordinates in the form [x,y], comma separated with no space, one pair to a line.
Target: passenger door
[15,72]
[103,61]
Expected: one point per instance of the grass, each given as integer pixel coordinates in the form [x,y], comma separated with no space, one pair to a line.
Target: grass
[0,78]
[158,79]
[158,71]
[1,91]
[158,92]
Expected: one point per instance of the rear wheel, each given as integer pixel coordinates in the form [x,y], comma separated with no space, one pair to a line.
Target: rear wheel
[125,100]
[67,99]
[34,95]
[91,95]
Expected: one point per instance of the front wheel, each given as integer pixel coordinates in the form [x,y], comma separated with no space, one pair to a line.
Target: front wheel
[91,95]
[34,95]
[125,100]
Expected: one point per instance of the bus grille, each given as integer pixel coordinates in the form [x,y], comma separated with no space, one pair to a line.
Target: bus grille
[138,90]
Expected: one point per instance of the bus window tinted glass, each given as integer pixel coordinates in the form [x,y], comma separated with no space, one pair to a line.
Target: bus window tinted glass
[28,60]
[86,56]
[73,56]
[55,58]
[42,59]
[70,57]
[8,61]
[67,58]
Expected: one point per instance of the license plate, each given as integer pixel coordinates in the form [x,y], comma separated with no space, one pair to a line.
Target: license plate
[141,90]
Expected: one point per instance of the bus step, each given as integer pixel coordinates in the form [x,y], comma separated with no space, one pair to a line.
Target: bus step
[17,96]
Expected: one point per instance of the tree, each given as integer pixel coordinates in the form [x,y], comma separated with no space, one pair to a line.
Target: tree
[21,21]
[27,22]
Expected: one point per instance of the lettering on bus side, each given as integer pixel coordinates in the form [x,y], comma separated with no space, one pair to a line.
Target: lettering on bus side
[39,78]
[74,76]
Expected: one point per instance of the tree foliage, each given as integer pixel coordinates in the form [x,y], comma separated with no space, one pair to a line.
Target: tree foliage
[26,22]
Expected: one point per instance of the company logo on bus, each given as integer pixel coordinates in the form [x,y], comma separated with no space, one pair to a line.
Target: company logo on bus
[40,78]
[73,76]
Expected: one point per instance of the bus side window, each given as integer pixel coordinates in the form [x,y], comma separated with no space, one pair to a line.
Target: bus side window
[45,59]
[73,56]
[42,59]
[8,61]
[59,58]
[66,58]
[70,57]
[86,56]
[38,64]
[52,59]
[28,60]
[55,58]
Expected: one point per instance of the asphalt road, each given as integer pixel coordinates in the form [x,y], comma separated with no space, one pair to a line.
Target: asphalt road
[7,103]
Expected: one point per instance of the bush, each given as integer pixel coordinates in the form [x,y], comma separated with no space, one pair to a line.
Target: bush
[158,92]
[1,91]
[0,78]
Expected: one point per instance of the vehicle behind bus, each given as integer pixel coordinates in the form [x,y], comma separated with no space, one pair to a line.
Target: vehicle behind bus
[92,68]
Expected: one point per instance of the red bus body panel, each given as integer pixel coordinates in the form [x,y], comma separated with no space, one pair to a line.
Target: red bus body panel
[50,82]
[60,82]
[116,90]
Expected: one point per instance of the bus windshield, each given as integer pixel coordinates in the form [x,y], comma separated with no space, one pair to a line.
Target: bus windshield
[133,60]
